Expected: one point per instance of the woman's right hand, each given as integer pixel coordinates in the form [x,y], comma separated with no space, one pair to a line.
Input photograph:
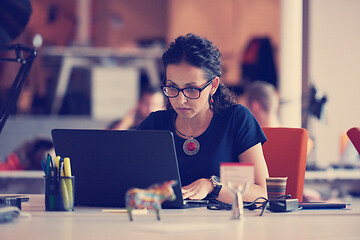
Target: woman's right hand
[198,189]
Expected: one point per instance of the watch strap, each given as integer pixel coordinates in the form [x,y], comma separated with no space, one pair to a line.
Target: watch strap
[217,188]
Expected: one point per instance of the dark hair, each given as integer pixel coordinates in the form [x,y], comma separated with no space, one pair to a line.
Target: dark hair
[199,52]
[148,90]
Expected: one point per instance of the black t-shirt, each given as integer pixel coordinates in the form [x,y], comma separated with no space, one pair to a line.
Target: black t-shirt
[229,134]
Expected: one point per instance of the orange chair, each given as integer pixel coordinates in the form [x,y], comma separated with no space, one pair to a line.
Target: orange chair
[354,135]
[285,154]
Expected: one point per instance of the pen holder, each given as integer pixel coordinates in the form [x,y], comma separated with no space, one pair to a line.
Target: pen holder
[59,193]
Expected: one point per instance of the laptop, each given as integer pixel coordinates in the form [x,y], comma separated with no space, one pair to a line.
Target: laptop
[106,163]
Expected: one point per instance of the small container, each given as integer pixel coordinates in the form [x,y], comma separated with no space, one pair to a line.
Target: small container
[59,193]
[276,187]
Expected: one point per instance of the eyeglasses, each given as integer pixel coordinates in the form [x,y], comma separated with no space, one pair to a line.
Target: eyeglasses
[189,92]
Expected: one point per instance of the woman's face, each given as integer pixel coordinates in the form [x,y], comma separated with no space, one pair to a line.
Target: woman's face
[185,75]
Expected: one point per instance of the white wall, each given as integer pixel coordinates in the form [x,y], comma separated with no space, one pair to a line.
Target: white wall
[335,70]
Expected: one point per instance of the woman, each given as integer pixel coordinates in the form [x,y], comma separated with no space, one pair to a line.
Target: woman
[208,127]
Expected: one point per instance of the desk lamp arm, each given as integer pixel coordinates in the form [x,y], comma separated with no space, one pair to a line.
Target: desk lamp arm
[26,63]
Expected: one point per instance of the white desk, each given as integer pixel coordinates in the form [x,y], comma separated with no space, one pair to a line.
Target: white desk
[333,174]
[84,56]
[22,182]
[340,182]
[91,223]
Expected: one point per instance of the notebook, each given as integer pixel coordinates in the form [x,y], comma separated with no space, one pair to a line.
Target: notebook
[106,163]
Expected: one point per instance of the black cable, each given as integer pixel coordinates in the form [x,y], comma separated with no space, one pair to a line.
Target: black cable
[264,206]
[252,205]
[256,204]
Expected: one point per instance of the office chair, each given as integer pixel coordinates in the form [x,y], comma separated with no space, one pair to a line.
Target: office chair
[354,135]
[285,154]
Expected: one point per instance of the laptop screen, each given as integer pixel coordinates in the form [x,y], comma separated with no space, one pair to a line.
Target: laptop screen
[106,163]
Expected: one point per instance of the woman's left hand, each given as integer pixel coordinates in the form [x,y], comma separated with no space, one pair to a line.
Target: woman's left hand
[198,189]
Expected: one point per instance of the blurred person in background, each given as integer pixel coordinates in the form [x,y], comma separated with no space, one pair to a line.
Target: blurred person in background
[151,100]
[263,101]
[27,156]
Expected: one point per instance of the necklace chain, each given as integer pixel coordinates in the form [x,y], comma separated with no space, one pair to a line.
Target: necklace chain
[182,133]
[179,131]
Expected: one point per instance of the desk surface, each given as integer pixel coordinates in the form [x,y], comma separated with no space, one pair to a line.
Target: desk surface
[200,223]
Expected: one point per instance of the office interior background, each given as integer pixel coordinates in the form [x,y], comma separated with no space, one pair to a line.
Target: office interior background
[94,56]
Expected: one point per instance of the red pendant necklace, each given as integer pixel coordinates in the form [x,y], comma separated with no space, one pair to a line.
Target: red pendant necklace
[191,146]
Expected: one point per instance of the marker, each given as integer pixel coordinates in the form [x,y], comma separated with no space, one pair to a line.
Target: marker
[57,164]
[48,183]
[48,160]
[64,195]
[67,167]
[61,167]
[43,166]
[68,181]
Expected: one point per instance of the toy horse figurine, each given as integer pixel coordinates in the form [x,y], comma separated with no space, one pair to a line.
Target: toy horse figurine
[150,198]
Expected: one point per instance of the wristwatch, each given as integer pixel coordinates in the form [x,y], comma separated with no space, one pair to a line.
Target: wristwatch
[217,187]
